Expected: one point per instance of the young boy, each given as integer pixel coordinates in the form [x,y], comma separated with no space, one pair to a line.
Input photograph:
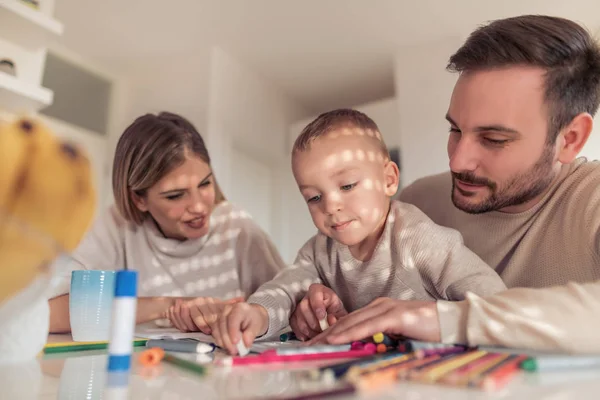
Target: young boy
[367,246]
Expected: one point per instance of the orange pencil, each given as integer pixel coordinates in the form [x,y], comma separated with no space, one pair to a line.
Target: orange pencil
[501,374]
[387,375]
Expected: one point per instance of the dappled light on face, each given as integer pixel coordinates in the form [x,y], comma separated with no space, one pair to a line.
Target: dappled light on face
[368,184]
[347,155]
[340,157]
[334,196]
[364,212]
[370,133]
[378,186]
[331,161]
[375,214]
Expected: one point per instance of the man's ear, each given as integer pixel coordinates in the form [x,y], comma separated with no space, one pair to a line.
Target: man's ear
[573,137]
[139,201]
[391,178]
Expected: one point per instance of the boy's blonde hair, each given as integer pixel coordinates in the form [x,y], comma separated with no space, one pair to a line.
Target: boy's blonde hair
[148,150]
[338,119]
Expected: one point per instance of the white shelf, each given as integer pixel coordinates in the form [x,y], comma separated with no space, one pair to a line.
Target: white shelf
[26,26]
[18,96]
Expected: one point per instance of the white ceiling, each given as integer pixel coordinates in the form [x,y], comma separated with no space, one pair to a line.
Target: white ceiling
[322,52]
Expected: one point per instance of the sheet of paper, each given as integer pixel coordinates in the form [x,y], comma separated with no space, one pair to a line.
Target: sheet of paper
[259,345]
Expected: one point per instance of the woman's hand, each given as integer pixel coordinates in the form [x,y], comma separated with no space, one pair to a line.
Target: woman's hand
[199,314]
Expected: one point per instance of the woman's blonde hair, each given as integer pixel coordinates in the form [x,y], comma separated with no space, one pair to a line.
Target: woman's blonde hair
[149,149]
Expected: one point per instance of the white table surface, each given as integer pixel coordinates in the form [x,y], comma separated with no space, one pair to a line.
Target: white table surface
[82,375]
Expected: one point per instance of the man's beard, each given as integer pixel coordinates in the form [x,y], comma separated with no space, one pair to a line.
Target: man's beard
[519,190]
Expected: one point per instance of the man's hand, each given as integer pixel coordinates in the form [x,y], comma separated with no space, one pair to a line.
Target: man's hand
[414,319]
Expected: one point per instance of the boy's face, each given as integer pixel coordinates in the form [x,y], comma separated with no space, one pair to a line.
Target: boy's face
[346,183]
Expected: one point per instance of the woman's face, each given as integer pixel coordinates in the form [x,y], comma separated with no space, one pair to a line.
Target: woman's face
[182,201]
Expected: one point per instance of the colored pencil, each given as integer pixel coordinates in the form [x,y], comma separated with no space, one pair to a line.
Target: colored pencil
[435,372]
[63,347]
[185,364]
[501,374]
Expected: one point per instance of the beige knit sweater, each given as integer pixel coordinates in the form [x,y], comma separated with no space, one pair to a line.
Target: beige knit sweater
[232,260]
[414,260]
[555,242]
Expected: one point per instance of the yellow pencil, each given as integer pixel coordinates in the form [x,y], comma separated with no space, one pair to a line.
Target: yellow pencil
[437,371]
[358,370]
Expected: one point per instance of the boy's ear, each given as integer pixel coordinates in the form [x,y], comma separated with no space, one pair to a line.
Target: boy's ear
[139,201]
[391,178]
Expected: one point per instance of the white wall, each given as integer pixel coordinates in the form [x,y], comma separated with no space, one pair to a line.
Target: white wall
[248,120]
[254,183]
[296,222]
[423,90]
[592,147]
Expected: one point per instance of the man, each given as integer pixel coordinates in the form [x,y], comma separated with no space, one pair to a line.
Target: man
[520,113]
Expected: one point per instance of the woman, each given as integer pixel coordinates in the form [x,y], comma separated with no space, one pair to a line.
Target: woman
[172,224]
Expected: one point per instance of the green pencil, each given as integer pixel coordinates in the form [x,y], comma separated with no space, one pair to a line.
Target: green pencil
[185,364]
[64,347]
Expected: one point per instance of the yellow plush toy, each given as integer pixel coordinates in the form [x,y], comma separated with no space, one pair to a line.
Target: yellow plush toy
[47,200]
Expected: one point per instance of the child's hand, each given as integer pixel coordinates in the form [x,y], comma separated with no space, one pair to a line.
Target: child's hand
[241,321]
[199,314]
[320,301]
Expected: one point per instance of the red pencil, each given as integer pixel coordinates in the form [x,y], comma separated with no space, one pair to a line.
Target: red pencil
[269,357]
